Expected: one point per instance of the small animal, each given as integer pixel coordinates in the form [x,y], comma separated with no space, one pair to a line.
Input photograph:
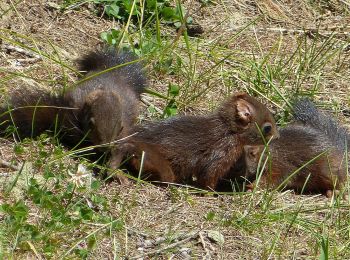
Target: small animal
[101,108]
[309,156]
[204,147]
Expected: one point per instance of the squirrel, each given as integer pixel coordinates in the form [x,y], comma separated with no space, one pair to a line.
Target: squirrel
[309,156]
[101,108]
[205,147]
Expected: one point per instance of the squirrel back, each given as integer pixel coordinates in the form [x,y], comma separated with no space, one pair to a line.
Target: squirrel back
[127,69]
[305,111]
[205,146]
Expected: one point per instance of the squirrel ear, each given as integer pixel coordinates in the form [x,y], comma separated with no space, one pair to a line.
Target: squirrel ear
[244,111]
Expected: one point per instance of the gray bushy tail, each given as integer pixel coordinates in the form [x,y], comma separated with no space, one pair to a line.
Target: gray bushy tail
[31,110]
[107,58]
[306,112]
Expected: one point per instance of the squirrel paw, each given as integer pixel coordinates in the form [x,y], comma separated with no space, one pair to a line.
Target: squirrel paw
[119,176]
[249,187]
[336,193]
[122,180]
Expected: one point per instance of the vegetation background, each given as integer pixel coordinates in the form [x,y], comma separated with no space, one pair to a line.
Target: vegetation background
[196,53]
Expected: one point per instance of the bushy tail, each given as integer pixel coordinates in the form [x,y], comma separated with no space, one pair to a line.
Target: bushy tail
[30,111]
[306,112]
[107,58]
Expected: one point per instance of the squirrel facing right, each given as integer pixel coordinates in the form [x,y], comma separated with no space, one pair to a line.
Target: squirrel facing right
[206,147]
[309,156]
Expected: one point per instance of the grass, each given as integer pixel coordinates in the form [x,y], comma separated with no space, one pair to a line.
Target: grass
[53,208]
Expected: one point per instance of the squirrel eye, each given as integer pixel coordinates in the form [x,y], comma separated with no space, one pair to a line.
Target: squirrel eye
[266,129]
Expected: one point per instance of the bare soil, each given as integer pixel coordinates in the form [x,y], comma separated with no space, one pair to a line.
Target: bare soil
[152,212]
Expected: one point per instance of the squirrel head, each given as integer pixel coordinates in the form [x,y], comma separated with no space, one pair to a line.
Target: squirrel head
[249,118]
[252,154]
[101,117]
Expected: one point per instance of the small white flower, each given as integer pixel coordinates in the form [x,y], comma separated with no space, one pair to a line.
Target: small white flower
[80,176]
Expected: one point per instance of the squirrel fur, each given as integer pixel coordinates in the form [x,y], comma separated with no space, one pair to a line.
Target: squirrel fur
[101,108]
[204,147]
[309,156]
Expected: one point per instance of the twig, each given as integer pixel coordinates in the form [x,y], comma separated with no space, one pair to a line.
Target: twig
[172,209]
[159,240]
[306,30]
[154,242]
[154,252]
[129,230]
[6,164]
[28,60]
[116,141]
[134,232]
[299,31]
[207,255]
[22,51]
[346,3]
[148,103]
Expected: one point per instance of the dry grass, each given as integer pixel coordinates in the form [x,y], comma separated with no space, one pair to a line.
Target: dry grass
[242,48]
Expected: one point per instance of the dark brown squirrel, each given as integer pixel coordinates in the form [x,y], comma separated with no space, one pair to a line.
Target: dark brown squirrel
[309,156]
[205,147]
[98,110]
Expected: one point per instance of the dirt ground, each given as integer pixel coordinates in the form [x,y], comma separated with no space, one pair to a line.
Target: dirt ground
[152,212]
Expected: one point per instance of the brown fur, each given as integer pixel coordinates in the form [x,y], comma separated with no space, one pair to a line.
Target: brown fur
[297,146]
[205,147]
[98,110]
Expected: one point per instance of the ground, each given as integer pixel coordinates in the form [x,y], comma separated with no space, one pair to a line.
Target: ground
[275,50]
